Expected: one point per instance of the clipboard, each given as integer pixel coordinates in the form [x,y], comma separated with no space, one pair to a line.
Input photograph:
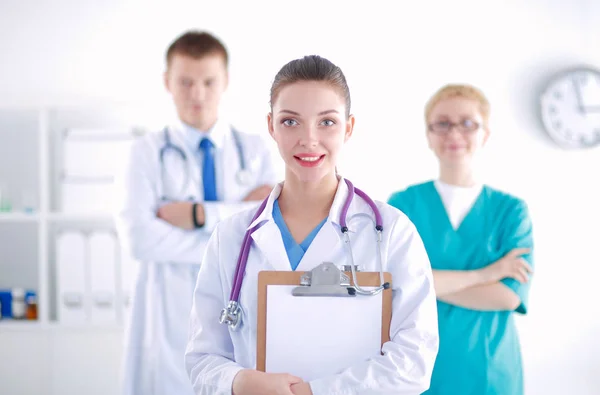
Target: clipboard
[324,281]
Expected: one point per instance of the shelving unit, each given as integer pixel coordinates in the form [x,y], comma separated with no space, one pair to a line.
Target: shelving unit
[30,177]
[55,354]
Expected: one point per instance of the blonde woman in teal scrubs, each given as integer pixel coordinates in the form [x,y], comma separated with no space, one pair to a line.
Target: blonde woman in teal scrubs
[479,241]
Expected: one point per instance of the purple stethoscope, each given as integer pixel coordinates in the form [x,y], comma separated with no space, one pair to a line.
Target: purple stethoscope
[231,315]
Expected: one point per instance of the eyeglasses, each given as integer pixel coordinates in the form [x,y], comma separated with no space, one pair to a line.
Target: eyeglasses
[445,127]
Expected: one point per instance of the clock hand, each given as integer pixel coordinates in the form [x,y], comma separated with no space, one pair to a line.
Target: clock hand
[578,94]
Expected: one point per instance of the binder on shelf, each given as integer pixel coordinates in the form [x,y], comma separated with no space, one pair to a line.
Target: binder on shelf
[71,257]
[102,265]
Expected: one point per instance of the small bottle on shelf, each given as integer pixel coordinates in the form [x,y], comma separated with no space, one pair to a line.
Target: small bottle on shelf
[18,303]
[31,312]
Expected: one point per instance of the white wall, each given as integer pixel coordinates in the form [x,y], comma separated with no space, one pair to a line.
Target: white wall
[90,52]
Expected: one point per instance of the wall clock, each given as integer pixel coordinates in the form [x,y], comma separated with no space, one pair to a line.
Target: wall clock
[570,108]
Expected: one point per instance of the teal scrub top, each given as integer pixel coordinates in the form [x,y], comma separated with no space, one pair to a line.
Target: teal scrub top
[295,251]
[479,351]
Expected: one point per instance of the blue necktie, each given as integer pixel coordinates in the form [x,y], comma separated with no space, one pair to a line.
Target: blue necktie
[208,170]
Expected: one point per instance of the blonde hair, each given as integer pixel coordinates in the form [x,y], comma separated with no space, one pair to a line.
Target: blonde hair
[463,91]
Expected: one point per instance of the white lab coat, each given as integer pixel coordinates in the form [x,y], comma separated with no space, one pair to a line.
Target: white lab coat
[170,257]
[215,354]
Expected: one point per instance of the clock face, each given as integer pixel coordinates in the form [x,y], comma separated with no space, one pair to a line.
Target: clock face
[571,108]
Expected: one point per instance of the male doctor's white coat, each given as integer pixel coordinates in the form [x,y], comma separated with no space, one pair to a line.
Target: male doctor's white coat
[169,257]
[215,354]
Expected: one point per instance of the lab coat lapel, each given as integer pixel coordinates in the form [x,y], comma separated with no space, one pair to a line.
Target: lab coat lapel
[229,169]
[229,163]
[268,240]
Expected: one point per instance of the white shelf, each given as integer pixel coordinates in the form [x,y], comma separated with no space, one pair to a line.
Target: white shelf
[84,327]
[94,217]
[8,325]
[19,325]
[19,217]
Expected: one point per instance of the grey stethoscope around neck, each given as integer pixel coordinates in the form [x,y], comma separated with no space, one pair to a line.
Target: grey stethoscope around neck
[231,314]
[243,176]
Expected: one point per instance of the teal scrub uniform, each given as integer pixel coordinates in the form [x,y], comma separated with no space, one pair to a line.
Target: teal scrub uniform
[479,351]
[295,251]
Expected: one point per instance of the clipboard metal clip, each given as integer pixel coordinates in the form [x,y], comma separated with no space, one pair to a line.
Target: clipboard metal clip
[324,280]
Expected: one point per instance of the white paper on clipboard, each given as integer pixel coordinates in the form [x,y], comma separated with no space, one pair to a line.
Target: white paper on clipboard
[313,337]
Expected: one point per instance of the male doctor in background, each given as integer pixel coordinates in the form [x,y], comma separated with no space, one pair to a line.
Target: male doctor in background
[177,184]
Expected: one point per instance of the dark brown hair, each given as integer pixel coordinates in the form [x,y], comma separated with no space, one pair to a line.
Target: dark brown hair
[196,44]
[311,68]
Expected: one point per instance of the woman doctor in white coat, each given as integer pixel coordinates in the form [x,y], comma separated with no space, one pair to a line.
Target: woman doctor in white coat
[299,229]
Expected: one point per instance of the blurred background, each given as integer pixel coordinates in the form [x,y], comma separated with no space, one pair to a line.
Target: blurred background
[79,80]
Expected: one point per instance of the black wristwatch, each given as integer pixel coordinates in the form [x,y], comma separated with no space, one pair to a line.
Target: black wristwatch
[195,217]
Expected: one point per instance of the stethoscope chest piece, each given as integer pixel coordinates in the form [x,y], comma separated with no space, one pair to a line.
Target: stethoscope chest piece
[231,315]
